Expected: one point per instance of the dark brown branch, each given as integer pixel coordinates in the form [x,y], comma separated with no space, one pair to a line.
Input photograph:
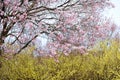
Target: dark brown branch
[17,37]
[26,45]
[43,8]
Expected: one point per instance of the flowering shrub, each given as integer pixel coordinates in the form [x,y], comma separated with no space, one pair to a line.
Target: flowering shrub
[102,63]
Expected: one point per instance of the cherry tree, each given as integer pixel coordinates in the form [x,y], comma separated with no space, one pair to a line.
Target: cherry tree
[69,24]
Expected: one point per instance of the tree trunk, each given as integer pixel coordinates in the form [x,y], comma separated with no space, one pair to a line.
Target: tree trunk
[1,51]
[1,48]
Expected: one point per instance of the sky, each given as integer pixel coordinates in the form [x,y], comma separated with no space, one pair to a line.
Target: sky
[114,13]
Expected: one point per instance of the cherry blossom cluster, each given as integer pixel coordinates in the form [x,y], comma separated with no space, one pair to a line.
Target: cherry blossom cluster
[69,24]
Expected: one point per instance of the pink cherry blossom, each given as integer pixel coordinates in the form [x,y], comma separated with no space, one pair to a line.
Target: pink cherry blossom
[29,24]
[6,2]
[77,23]
[25,2]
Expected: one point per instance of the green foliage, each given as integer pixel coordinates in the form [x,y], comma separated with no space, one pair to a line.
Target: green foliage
[102,63]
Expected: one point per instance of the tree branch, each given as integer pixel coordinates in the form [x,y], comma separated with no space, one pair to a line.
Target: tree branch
[25,45]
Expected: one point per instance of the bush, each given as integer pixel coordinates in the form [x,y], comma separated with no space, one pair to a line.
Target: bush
[102,63]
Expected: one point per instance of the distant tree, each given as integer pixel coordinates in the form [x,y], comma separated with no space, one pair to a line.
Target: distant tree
[67,23]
